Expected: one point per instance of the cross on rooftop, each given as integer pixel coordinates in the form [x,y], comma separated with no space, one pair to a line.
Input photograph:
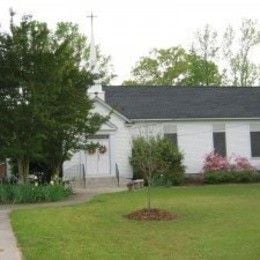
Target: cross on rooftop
[91,16]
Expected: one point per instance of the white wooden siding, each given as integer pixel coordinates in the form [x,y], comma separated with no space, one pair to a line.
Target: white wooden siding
[120,146]
[195,140]
[238,139]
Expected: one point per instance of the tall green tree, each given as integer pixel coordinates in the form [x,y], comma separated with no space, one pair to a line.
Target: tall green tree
[22,59]
[173,66]
[70,120]
[45,112]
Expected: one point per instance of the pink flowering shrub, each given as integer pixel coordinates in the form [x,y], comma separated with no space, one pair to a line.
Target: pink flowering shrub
[243,164]
[235,169]
[215,162]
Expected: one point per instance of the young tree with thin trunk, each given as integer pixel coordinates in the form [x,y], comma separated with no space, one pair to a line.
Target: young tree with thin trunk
[156,157]
[144,159]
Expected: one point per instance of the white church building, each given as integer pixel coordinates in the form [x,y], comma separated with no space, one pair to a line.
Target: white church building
[198,120]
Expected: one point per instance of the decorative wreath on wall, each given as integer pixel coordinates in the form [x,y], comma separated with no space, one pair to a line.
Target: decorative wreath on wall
[91,150]
[102,149]
[92,147]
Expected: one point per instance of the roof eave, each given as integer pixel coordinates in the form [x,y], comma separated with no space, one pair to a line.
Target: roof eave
[196,119]
[112,109]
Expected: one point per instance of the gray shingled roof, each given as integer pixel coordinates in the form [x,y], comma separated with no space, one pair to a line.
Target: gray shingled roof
[184,102]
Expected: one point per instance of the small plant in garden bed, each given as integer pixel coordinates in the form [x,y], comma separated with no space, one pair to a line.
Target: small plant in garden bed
[153,157]
[31,193]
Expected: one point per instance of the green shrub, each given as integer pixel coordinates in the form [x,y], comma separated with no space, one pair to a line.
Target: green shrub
[215,177]
[256,177]
[29,193]
[244,176]
[161,180]
[161,158]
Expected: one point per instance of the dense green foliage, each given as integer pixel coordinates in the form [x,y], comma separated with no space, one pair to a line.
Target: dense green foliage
[173,66]
[210,60]
[29,193]
[215,177]
[44,76]
[157,158]
[215,222]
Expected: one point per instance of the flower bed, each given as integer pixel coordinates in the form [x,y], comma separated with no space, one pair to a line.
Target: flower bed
[235,169]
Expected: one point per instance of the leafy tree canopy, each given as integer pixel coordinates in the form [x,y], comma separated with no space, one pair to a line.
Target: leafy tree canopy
[44,108]
[173,66]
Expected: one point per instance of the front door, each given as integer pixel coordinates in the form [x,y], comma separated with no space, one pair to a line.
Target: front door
[98,162]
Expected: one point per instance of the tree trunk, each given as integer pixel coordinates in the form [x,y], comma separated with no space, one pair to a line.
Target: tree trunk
[23,168]
[56,170]
[61,170]
[149,194]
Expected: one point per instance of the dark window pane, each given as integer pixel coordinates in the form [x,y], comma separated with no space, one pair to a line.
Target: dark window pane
[255,144]
[219,140]
[172,137]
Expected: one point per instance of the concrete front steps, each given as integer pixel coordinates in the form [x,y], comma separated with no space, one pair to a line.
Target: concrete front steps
[100,183]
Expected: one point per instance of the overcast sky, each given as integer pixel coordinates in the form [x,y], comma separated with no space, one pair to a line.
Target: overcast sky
[128,29]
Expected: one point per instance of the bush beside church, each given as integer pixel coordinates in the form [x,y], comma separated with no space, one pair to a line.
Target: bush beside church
[234,169]
[157,159]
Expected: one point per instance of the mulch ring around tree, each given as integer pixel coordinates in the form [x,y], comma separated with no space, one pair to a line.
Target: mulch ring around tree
[151,214]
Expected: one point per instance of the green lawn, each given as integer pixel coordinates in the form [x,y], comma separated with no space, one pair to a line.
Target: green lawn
[216,222]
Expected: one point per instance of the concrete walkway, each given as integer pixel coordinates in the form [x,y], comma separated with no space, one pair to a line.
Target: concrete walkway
[8,243]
